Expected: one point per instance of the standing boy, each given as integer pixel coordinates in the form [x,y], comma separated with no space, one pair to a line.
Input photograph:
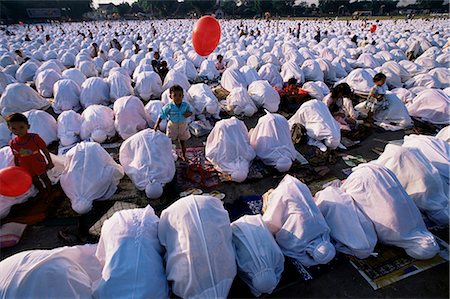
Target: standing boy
[176,113]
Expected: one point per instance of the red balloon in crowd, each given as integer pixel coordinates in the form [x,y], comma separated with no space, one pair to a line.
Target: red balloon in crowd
[373,28]
[206,35]
[14,181]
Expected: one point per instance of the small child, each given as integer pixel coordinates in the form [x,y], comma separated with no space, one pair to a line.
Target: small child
[26,148]
[163,70]
[176,113]
[376,99]
[220,65]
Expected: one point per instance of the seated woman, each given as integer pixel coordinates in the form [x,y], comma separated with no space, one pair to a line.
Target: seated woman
[292,96]
[341,107]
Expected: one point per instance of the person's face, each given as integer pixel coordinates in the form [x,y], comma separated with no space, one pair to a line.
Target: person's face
[19,128]
[381,82]
[177,97]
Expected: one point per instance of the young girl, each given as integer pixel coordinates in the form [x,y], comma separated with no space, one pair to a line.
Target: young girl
[341,107]
[376,99]
[26,148]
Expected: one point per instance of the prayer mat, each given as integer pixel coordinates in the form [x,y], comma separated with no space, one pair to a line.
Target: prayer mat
[393,264]
[198,172]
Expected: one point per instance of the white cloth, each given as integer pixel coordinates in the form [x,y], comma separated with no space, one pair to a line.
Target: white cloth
[203,100]
[228,148]
[66,96]
[26,72]
[312,70]
[75,75]
[154,108]
[69,127]
[397,221]
[297,224]
[271,140]
[291,70]
[147,161]
[431,105]
[259,258]
[94,91]
[176,77]
[200,259]
[249,74]
[65,272]
[322,129]
[90,174]
[271,73]
[351,229]
[98,123]
[208,70]
[443,134]
[420,179]
[139,275]
[43,124]
[264,95]
[437,152]
[5,80]
[119,86]
[129,116]
[361,81]
[395,117]
[232,78]
[188,68]
[240,103]
[19,97]
[148,85]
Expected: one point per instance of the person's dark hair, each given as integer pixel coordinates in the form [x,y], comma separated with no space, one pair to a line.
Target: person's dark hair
[219,56]
[292,81]
[379,77]
[16,118]
[176,88]
[163,63]
[342,89]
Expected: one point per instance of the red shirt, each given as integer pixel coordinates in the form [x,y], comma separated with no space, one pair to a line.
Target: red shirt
[26,150]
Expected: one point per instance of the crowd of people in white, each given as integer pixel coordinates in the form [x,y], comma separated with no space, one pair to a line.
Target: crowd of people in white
[112,88]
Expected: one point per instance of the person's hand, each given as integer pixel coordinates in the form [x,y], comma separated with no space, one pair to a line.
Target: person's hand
[50,165]
[187,114]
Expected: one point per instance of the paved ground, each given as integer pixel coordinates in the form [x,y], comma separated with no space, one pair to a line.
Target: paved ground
[341,281]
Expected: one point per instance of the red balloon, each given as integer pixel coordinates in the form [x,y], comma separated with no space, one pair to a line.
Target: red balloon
[14,181]
[373,28]
[206,35]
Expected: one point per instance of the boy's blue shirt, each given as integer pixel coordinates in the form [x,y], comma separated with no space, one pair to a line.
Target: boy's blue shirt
[174,113]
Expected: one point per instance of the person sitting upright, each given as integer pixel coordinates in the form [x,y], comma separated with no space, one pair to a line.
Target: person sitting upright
[341,106]
[220,65]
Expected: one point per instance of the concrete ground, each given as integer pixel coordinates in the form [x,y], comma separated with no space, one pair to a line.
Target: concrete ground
[341,281]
